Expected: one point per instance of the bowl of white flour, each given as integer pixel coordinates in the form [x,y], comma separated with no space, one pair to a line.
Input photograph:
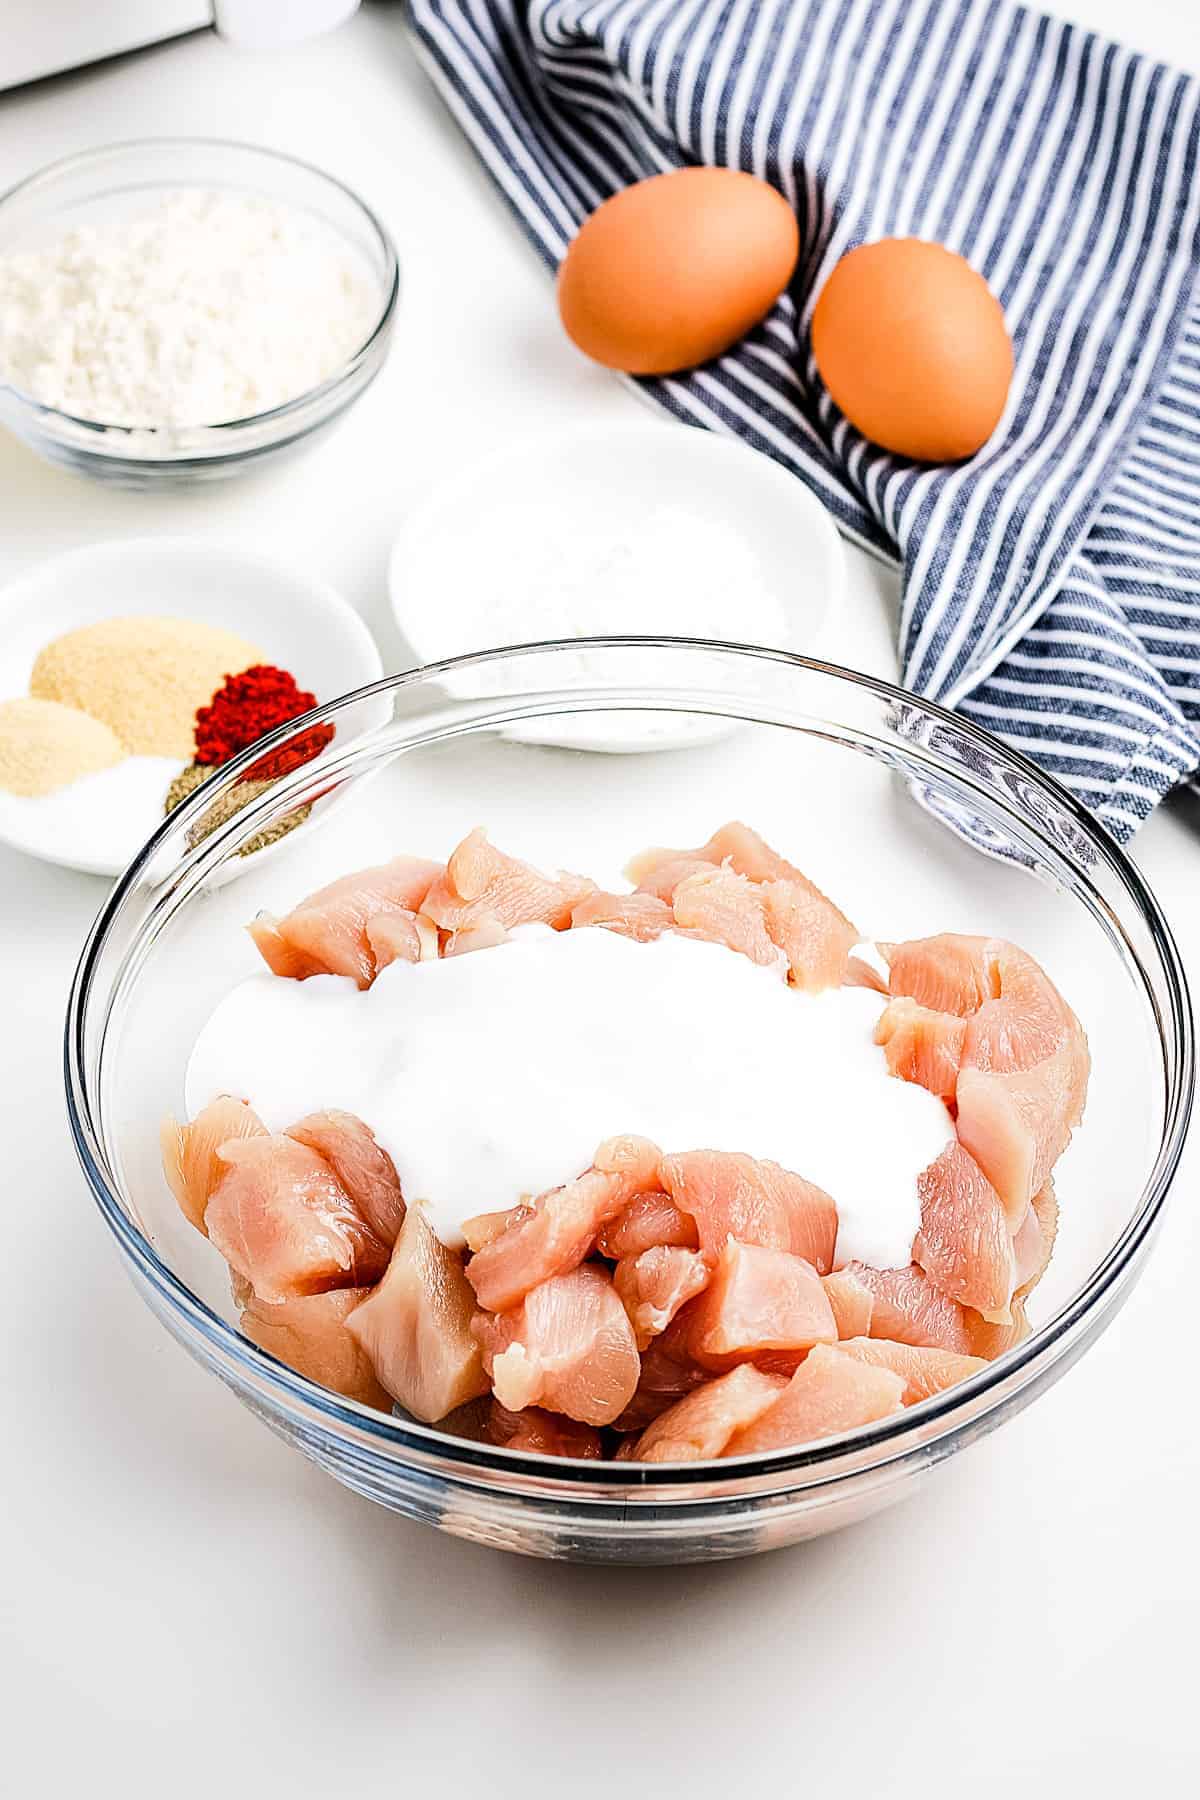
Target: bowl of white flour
[180,309]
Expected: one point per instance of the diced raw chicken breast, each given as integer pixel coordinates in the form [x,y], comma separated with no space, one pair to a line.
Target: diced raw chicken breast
[761,1304]
[485,1228]
[327,933]
[400,937]
[735,844]
[189,1152]
[541,1433]
[281,1218]
[668,1371]
[416,1326]
[489,934]
[649,1219]
[991,1341]
[829,1393]
[1034,1242]
[698,1428]
[922,1046]
[481,884]
[642,917]
[366,1172]
[909,1309]
[1023,1066]
[798,918]
[731,1195]
[724,908]
[657,873]
[964,1244]
[1015,1127]
[557,1231]
[310,1336]
[948,973]
[654,1285]
[814,936]
[569,1348]
[923,1370]
[860,973]
[852,1303]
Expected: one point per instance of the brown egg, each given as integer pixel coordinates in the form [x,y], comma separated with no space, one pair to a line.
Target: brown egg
[912,346]
[671,271]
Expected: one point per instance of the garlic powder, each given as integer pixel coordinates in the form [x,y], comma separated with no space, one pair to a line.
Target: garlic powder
[206,307]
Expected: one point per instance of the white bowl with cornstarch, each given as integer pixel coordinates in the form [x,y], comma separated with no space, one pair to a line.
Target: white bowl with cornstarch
[637,531]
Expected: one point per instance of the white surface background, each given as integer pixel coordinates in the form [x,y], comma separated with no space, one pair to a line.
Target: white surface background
[187,1607]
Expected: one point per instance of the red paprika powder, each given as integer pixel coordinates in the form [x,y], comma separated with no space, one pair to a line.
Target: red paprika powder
[245,708]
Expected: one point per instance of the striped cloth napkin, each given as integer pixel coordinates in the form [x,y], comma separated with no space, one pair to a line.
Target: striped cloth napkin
[1051,586]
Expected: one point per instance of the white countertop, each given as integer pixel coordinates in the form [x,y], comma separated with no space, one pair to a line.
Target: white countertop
[187,1607]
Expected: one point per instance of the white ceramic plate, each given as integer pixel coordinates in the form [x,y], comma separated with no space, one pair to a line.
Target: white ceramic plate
[300,623]
[476,565]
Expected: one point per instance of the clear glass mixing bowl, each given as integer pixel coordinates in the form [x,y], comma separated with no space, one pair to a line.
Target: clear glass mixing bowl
[849,777]
[119,180]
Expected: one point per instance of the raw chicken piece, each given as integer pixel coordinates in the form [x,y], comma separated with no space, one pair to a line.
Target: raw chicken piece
[801,922]
[731,1195]
[470,1420]
[1024,1064]
[698,1428]
[907,1308]
[964,1244]
[487,935]
[642,917]
[658,873]
[189,1152]
[1015,1127]
[654,1285]
[649,1219]
[416,1326]
[668,1372]
[735,844]
[557,1231]
[481,885]
[991,1341]
[542,1433]
[922,1046]
[281,1218]
[1034,1242]
[829,1393]
[310,1336]
[852,1303]
[485,1228]
[860,973]
[366,1172]
[327,933]
[761,1304]
[949,973]
[569,1348]
[814,936]
[400,937]
[724,908]
[923,1370]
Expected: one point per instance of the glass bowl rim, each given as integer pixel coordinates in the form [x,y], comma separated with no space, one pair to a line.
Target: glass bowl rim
[287,409]
[837,1457]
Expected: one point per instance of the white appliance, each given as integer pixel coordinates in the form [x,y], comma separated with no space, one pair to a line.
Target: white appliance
[44,37]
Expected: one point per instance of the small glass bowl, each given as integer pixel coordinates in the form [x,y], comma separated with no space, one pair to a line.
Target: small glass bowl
[849,776]
[120,178]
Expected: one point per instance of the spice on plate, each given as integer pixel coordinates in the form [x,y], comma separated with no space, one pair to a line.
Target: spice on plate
[243,710]
[143,677]
[44,746]
[249,705]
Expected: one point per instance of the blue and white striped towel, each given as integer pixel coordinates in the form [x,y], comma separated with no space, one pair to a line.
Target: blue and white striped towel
[1052,584]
